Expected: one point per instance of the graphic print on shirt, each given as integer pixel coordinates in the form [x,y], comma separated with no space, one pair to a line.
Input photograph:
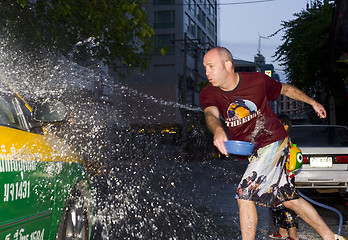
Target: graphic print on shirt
[241,111]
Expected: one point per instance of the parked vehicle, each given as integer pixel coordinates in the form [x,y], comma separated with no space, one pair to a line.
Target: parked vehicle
[325,156]
[44,190]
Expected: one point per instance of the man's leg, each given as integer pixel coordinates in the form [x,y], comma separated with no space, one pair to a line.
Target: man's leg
[308,214]
[293,233]
[247,219]
[283,232]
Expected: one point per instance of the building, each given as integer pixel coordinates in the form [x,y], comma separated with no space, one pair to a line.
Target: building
[295,109]
[164,100]
[245,66]
[185,29]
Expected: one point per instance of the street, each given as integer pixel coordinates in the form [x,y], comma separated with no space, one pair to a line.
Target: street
[172,199]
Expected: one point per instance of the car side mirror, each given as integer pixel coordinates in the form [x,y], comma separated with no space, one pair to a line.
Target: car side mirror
[50,112]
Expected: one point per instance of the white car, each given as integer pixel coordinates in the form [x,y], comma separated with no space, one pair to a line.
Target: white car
[325,152]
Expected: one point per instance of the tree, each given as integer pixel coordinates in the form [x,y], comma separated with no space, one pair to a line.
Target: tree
[306,54]
[114,31]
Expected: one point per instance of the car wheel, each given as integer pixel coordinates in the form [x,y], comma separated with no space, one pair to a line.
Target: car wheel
[75,221]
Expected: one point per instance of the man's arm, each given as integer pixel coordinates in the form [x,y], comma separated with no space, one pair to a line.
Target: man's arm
[296,94]
[212,117]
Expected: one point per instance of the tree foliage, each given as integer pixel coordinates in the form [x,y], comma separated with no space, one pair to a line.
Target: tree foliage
[304,52]
[114,31]
[307,55]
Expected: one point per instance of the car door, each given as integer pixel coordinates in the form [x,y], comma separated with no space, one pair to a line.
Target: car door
[26,174]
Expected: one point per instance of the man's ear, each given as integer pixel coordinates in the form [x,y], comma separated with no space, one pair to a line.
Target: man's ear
[228,65]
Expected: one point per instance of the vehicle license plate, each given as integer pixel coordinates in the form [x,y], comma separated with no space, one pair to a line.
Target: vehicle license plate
[321,162]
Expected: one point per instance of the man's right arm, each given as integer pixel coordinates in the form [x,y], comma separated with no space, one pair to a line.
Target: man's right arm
[212,117]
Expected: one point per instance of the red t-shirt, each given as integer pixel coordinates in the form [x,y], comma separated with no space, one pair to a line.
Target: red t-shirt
[246,111]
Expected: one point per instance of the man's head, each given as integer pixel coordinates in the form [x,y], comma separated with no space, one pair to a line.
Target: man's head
[218,64]
[225,54]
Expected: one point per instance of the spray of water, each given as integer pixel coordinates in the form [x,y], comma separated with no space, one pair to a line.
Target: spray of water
[137,193]
[141,187]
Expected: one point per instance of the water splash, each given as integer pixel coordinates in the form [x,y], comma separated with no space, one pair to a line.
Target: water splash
[137,196]
[145,206]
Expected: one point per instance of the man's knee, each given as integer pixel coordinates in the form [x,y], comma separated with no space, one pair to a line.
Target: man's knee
[245,202]
[291,204]
[246,205]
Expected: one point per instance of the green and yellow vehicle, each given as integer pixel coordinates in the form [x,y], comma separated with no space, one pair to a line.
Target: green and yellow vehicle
[44,189]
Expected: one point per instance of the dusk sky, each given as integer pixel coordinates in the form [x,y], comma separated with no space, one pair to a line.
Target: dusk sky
[243,21]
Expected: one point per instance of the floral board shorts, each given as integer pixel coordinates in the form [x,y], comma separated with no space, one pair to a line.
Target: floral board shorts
[284,218]
[265,180]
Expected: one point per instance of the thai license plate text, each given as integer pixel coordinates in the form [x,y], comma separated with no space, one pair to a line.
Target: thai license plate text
[321,162]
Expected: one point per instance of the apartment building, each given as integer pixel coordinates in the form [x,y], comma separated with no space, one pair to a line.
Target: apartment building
[295,109]
[185,28]
[160,106]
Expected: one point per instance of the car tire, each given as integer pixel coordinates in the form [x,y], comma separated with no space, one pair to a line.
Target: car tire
[76,218]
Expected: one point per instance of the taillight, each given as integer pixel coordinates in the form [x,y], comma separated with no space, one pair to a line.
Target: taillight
[305,159]
[341,159]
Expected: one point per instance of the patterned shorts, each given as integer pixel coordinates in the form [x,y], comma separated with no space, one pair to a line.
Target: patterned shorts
[265,180]
[284,218]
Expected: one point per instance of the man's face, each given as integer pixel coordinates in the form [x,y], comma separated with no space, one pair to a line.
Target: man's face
[215,69]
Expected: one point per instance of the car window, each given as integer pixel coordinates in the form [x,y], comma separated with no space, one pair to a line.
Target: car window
[9,113]
[33,126]
[340,137]
[320,136]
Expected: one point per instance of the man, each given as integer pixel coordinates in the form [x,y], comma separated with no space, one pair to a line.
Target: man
[242,100]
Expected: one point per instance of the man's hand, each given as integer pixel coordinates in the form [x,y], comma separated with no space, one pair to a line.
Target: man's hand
[319,109]
[214,124]
[219,138]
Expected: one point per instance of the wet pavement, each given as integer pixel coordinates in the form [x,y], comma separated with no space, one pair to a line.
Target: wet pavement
[335,200]
[170,199]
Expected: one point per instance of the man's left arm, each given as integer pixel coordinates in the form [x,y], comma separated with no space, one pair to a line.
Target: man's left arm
[296,94]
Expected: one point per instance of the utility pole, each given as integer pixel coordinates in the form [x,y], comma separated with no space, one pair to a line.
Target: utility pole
[259,48]
[184,75]
[194,45]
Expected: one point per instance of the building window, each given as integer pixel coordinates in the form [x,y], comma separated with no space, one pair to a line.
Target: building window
[163,2]
[203,3]
[164,40]
[204,19]
[188,4]
[211,9]
[211,28]
[193,28]
[187,23]
[211,43]
[164,19]
[200,15]
[206,4]
[199,33]
[204,38]
[194,7]
[190,26]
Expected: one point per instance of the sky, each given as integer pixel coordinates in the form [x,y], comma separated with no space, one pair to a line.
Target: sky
[243,22]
